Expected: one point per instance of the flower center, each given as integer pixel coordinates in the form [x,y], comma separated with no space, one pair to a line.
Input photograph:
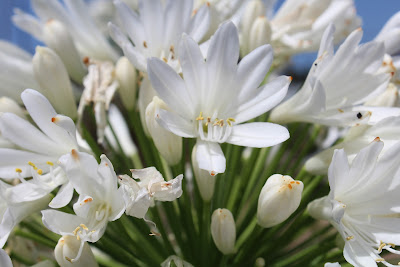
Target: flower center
[214,130]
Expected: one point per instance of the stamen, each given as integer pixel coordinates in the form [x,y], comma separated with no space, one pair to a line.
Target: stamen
[40,172]
[50,163]
[349,237]
[200,117]
[84,227]
[18,170]
[75,232]
[381,246]
[380,259]
[145,44]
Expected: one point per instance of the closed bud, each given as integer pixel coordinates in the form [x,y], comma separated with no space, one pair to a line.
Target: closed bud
[127,78]
[205,182]
[9,105]
[252,11]
[223,231]
[53,79]
[67,253]
[57,37]
[260,33]
[168,144]
[279,198]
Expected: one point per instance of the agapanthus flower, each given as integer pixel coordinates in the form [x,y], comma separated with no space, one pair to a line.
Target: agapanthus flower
[217,95]
[363,203]
[100,200]
[337,84]
[140,195]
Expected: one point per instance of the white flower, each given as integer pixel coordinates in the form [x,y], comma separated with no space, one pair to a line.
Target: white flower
[216,96]
[100,87]
[363,203]
[223,230]
[337,83]
[156,30]
[279,198]
[139,196]
[100,201]
[390,34]
[11,214]
[387,130]
[88,39]
[68,247]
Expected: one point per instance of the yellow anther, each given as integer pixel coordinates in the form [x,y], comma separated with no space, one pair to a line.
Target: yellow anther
[200,117]
[165,59]
[208,121]
[68,259]
[349,238]
[221,123]
[381,246]
[30,163]
[18,170]
[380,259]
[75,232]
[50,163]
[40,172]
[392,245]
[216,122]
[84,227]
[230,120]
[78,238]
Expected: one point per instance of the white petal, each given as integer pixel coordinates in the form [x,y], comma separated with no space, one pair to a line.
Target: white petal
[338,171]
[258,134]
[200,23]
[175,124]
[63,197]
[60,222]
[5,260]
[210,157]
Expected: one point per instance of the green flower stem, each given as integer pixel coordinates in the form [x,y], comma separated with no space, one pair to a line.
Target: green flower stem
[38,229]
[21,259]
[156,217]
[232,169]
[118,251]
[221,182]
[136,161]
[205,235]
[91,141]
[248,245]
[34,237]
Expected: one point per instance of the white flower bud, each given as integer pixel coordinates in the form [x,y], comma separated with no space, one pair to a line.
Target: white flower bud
[53,79]
[168,144]
[279,198]
[252,10]
[223,230]
[9,105]
[127,78]
[260,33]
[178,262]
[68,248]
[57,37]
[204,181]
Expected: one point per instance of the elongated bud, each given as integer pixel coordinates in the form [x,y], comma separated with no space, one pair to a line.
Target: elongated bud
[204,181]
[67,249]
[252,11]
[223,230]
[175,261]
[168,144]
[9,105]
[53,79]
[279,198]
[260,33]
[57,37]
[127,78]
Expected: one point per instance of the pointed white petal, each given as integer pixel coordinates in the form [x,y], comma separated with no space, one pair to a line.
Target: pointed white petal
[200,23]
[210,157]
[63,197]
[61,223]
[5,260]
[175,124]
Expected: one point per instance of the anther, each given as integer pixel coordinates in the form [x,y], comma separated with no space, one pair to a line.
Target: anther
[84,227]
[349,238]
[145,44]
[39,171]
[381,246]
[200,117]
[50,163]
[18,170]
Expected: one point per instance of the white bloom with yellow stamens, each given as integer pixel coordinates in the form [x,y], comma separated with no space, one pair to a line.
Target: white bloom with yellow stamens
[139,196]
[100,200]
[363,203]
[216,96]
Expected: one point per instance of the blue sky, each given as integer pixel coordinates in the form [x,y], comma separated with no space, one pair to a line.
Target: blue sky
[374,14]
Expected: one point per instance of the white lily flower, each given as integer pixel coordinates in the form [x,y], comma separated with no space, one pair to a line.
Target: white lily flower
[156,30]
[87,38]
[100,201]
[16,71]
[168,144]
[139,196]
[337,84]
[100,87]
[11,214]
[68,247]
[363,203]
[218,95]
[387,130]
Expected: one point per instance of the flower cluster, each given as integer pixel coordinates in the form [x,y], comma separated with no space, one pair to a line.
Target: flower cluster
[196,90]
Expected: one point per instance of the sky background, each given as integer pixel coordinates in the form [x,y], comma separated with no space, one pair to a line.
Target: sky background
[373,12]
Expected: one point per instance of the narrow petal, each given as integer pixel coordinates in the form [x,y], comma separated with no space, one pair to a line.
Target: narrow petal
[338,171]
[130,22]
[210,157]
[5,260]
[60,222]
[258,134]
[200,23]
[175,124]
[63,197]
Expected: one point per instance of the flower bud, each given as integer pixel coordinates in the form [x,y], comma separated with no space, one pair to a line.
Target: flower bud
[9,105]
[205,182]
[53,79]
[279,198]
[168,144]
[252,10]
[175,261]
[146,94]
[127,78]
[67,249]
[223,230]
[260,33]
[57,37]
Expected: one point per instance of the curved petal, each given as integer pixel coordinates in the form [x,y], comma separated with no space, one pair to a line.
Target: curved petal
[175,124]
[258,134]
[200,23]
[60,222]
[63,197]
[5,260]
[210,157]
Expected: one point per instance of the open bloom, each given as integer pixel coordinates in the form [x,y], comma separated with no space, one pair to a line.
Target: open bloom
[100,200]
[216,96]
[156,30]
[139,196]
[363,203]
[337,83]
